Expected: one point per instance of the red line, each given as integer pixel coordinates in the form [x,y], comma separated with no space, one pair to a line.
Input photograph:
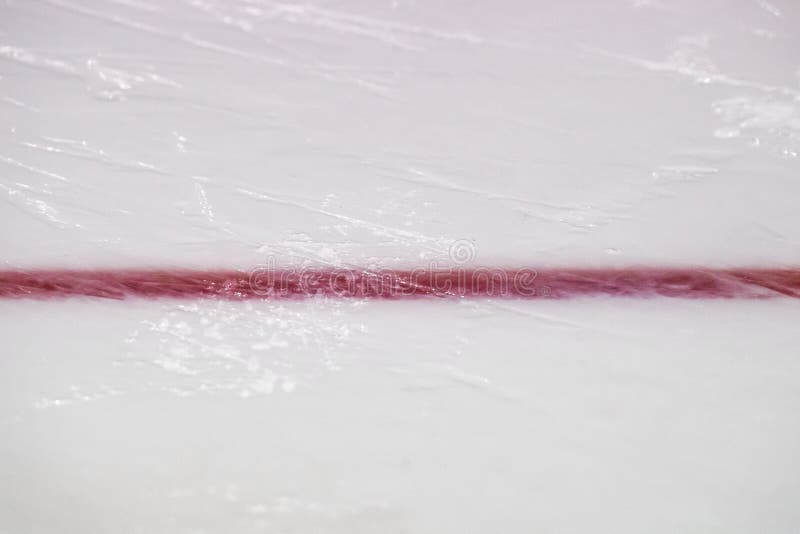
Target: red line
[527,283]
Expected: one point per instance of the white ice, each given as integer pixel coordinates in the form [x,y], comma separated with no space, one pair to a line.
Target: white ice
[229,133]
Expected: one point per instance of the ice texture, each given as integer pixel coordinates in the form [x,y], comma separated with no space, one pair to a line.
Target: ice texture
[224,135]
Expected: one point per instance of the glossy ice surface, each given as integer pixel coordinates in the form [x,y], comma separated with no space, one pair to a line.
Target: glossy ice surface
[227,134]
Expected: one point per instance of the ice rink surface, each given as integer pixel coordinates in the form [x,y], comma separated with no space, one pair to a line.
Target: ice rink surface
[234,133]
